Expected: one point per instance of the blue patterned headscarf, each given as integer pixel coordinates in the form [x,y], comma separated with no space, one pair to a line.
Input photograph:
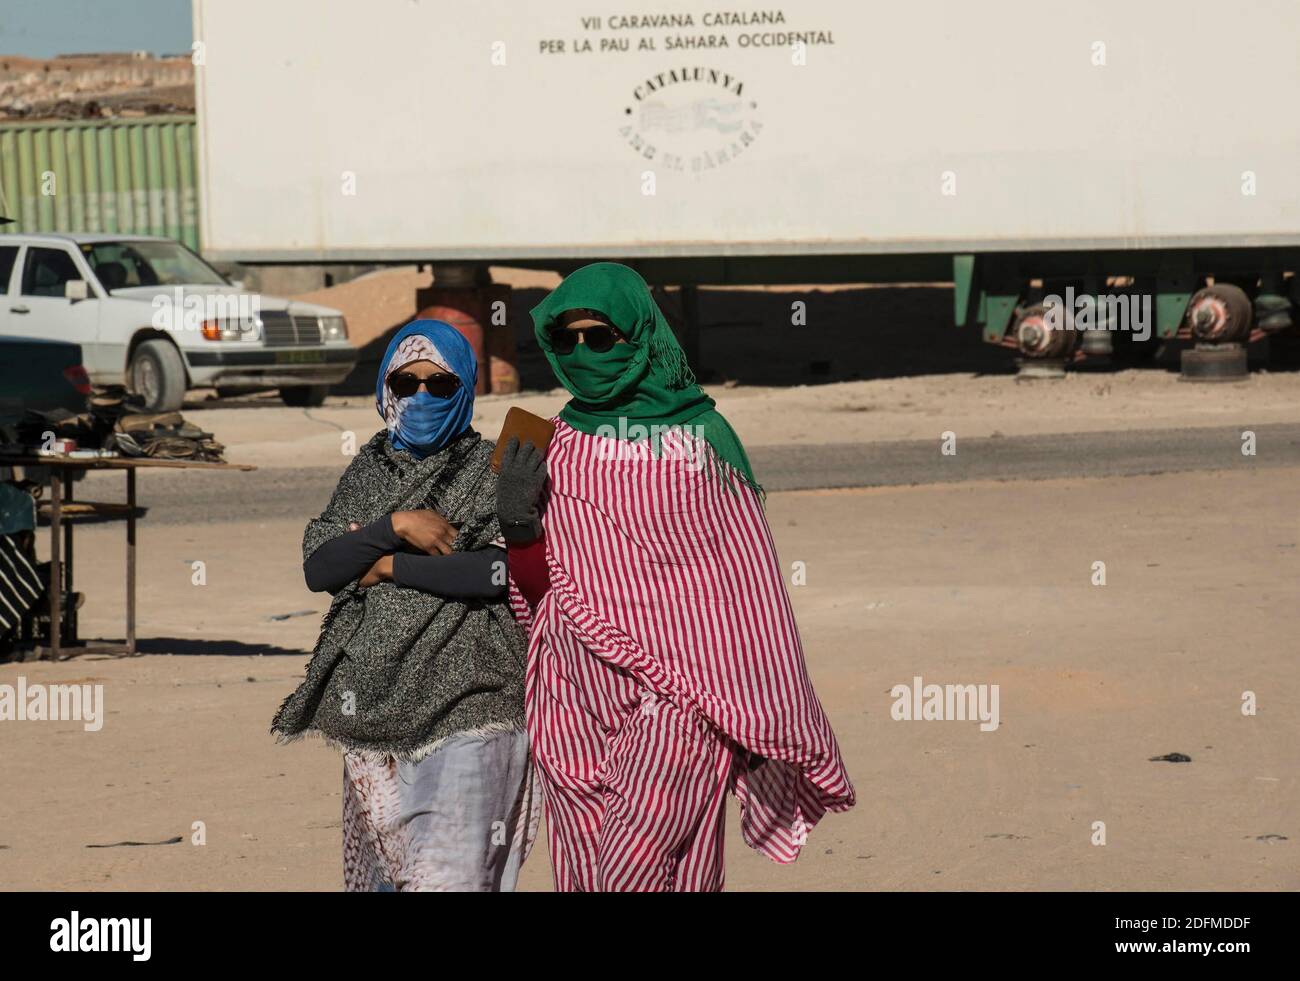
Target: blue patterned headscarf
[423,424]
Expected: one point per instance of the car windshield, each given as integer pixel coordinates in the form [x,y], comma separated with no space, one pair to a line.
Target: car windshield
[122,264]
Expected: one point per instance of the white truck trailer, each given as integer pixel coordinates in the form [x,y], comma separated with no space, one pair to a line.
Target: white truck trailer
[1016,148]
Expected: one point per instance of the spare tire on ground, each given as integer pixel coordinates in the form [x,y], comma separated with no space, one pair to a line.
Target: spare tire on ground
[1217,363]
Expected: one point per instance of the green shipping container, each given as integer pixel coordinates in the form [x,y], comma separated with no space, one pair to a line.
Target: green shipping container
[129,176]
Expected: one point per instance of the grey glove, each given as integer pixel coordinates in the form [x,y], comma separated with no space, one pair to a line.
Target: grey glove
[519,488]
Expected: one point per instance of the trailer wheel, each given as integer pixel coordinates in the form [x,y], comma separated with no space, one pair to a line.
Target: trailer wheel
[157,375]
[1038,336]
[304,396]
[1219,314]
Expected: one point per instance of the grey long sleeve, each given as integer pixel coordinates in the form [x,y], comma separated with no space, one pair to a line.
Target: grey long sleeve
[350,556]
[462,575]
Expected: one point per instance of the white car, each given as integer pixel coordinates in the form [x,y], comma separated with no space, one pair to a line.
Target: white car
[153,316]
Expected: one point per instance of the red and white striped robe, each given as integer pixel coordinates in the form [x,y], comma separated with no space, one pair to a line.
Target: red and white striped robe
[659,569]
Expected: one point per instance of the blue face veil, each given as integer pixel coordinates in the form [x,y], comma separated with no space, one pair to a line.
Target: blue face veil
[423,424]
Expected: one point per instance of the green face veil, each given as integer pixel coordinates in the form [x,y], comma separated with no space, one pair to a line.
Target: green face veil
[645,382]
[595,377]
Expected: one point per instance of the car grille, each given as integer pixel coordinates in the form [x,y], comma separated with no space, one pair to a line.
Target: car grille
[279,329]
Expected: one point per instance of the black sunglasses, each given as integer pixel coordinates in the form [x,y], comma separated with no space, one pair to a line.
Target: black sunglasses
[599,339]
[403,384]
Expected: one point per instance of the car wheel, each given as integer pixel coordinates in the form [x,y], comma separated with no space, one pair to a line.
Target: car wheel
[304,396]
[158,376]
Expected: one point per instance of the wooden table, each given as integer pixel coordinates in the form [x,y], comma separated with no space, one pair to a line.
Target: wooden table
[60,502]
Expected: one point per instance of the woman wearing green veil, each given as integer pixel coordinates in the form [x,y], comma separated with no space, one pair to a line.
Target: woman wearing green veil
[665,668]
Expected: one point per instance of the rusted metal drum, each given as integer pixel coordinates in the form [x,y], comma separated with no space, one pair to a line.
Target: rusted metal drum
[480,313]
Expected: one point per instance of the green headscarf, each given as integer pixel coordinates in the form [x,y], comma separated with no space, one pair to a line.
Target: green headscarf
[645,382]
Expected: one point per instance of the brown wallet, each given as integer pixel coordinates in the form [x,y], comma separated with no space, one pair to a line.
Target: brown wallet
[528,427]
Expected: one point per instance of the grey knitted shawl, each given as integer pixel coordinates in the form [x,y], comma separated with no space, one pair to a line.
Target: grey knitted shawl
[396,671]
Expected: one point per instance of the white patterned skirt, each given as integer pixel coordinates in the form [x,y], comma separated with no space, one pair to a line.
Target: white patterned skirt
[463,819]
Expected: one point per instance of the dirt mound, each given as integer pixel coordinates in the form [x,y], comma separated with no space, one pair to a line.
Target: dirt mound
[97,86]
[378,303]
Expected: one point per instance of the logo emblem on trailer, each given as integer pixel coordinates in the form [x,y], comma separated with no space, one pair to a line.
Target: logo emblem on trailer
[690,120]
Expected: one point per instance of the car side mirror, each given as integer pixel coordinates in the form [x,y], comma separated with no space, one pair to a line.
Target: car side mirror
[76,289]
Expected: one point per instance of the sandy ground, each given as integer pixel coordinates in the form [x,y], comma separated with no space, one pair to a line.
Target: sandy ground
[971,583]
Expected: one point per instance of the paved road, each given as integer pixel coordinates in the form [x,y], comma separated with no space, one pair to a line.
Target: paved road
[181,497]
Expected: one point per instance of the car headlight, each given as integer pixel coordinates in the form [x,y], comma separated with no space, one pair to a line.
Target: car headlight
[333,328]
[229,330]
